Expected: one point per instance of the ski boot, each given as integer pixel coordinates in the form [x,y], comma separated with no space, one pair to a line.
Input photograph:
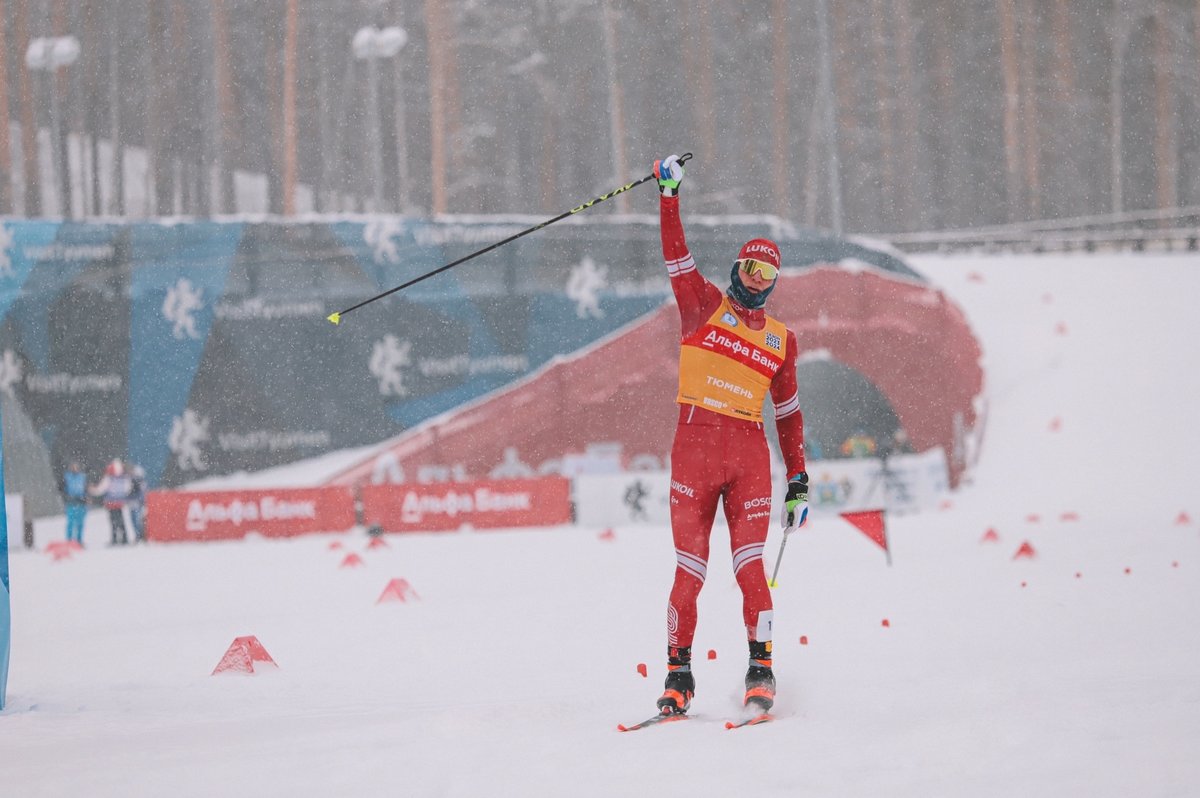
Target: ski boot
[680,685]
[760,679]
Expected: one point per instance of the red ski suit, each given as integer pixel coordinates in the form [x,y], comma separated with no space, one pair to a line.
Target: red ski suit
[719,456]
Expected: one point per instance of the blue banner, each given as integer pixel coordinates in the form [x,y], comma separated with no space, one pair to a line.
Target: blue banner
[201,348]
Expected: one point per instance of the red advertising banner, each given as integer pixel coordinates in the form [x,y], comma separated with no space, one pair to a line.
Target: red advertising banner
[232,514]
[444,506]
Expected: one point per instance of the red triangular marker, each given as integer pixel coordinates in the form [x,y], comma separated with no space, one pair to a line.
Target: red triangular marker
[1182,519]
[1069,516]
[1025,552]
[607,534]
[990,536]
[352,560]
[870,523]
[377,543]
[241,655]
[397,590]
[335,545]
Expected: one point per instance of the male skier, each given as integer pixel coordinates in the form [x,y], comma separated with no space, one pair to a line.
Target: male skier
[732,355]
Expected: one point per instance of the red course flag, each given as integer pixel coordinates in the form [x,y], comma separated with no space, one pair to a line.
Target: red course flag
[870,523]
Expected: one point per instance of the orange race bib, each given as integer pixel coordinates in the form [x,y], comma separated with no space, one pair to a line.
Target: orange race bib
[727,368]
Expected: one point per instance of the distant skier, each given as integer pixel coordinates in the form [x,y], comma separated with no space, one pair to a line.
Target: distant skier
[732,355]
[635,494]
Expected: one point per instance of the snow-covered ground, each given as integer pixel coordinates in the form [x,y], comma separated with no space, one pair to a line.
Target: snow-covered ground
[1066,675]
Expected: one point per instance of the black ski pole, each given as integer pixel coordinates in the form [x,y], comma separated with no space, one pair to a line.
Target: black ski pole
[337,317]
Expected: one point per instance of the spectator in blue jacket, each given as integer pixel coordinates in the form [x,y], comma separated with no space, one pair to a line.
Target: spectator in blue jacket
[74,490]
[115,488]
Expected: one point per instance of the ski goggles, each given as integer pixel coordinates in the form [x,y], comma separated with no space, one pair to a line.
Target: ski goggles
[767,271]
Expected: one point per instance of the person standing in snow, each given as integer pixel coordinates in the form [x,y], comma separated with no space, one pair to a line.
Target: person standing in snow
[732,356]
[137,502]
[75,497]
[115,488]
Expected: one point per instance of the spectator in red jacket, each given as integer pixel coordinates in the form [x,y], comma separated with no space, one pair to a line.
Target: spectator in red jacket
[115,488]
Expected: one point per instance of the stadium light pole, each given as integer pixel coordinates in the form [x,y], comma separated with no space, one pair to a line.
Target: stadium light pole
[49,54]
[370,44]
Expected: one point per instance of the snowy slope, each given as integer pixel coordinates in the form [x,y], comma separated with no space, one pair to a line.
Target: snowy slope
[510,673]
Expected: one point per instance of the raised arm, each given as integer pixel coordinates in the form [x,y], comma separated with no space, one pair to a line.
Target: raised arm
[697,297]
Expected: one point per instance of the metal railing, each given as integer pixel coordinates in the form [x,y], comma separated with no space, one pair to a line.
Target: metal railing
[1169,230]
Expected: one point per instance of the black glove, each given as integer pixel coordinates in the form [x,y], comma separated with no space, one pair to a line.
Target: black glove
[795,504]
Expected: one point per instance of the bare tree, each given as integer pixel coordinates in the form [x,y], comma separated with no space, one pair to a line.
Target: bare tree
[616,100]
[1065,121]
[115,13]
[6,205]
[698,66]
[1010,59]
[442,95]
[781,168]
[288,144]
[223,130]
[1031,139]
[882,79]
[914,190]
[1121,24]
[1166,150]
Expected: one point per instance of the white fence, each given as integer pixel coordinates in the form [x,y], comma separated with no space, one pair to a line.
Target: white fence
[909,483]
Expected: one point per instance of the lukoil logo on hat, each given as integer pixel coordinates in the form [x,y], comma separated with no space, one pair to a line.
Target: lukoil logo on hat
[762,249]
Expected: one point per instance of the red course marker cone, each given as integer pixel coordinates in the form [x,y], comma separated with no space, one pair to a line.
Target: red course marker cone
[607,535]
[712,654]
[887,623]
[804,640]
[397,590]
[1069,516]
[352,560]
[335,545]
[641,668]
[1033,518]
[1055,424]
[377,543]
[241,655]
[1025,552]
[1183,518]
[991,536]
